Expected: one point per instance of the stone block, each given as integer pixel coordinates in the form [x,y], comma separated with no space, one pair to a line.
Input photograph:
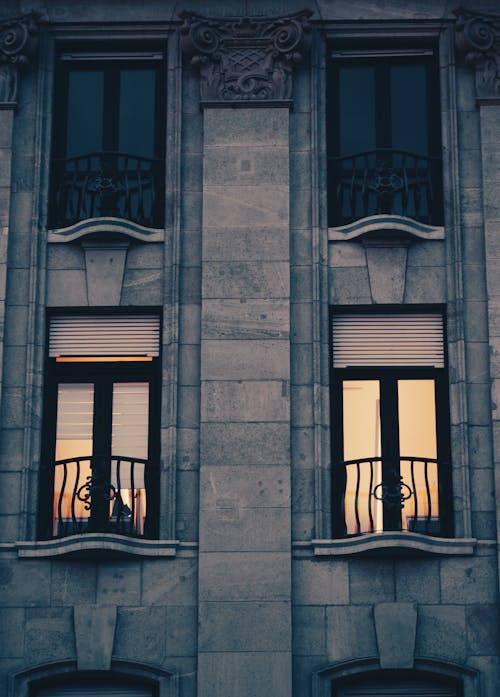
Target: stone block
[189,364]
[301,318]
[482,489]
[425,284]
[263,626]
[417,581]
[190,249]
[301,284]
[441,633]
[309,635]
[302,440]
[140,634]
[245,360]
[395,627]
[73,583]
[483,525]
[476,320]
[11,448]
[349,285]
[191,210]
[188,414]
[104,266]
[371,581]
[13,407]
[230,527]
[94,635]
[251,400]
[65,257]
[15,326]
[118,583]
[17,286]
[181,631]
[10,496]
[248,487]
[66,288]
[48,635]
[245,444]
[245,319]
[301,246]
[189,322]
[301,207]
[302,364]
[11,632]
[300,170]
[346,254]
[350,633]
[190,285]
[386,271]
[474,282]
[169,582]
[14,367]
[241,206]
[266,674]
[303,526]
[192,131]
[244,576]
[142,287]
[192,171]
[302,405]
[144,256]
[246,280]
[468,581]
[479,404]
[25,583]
[423,253]
[317,583]
[483,630]
[303,490]
[188,448]
[246,244]
[246,127]
[476,361]
[187,491]
[242,166]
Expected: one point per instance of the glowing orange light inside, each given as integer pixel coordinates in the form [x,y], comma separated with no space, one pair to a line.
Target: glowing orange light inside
[103,359]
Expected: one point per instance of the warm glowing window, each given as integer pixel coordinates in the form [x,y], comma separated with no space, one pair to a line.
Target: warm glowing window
[390,424]
[100,451]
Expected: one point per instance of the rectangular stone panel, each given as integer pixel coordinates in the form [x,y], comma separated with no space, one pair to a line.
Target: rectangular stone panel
[245,360]
[242,280]
[229,444]
[239,400]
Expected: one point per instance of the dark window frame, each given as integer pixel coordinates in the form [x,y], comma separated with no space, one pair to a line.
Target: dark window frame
[102,376]
[374,55]
[388,377]
[110,60]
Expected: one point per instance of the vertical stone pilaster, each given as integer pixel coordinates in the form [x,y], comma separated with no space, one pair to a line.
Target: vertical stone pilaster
[245,642]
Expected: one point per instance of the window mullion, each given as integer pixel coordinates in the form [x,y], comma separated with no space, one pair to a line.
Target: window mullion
[390,453]
[101,460]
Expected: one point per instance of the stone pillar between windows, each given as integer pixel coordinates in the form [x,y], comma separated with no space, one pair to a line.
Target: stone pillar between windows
[244,642]
[16,47]
[478,39]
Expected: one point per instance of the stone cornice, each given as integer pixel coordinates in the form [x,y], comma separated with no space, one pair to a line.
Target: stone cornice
[478,39]
[17,45]
[245,60]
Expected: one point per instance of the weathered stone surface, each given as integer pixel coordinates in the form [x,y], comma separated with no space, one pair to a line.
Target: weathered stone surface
[261,673]
[140,634]
[248,487]
[371,581]
[118,583]
[181,630]
[441,632]
[246,243]
[251,400]
[169,582]
[250,618]
[66,288]
[468,581]
[309,635]
[386,270]
[26,584]
[73,583]
[11,634]
[246,127]
[245,360]
[94,635]
[230,527]
[237,205]
[317,583]
[48,635]
[483,631]
[421,586]
[395,627]
[245,444]
[350,633]
[240,166]
[245,319]
[257,279]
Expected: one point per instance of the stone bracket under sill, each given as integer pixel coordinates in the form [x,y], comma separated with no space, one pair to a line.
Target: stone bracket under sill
[106,225]
[385,225]
[405,543]
[95,544]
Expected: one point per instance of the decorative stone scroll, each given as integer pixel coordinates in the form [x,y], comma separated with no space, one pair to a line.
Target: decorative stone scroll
[17,44]
[247,59]
[478,38]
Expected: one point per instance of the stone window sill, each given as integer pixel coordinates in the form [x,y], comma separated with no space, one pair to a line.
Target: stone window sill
[97,544]
[404,543]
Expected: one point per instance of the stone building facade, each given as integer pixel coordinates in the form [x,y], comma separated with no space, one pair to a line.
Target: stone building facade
[249,258]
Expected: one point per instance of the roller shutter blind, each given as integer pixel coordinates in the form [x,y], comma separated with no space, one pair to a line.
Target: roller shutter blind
[104,335]
[409,339]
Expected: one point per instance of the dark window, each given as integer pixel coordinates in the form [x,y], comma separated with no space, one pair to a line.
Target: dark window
[384,147]
[396,684]
[390,436]
[101,428]
[108,154]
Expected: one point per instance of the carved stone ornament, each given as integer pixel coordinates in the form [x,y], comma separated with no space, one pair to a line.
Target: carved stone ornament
[478,38]
[17,44]
[245,59]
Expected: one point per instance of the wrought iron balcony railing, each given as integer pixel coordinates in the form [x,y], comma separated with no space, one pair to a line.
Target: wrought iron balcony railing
[373,495]
[97,494]
[107,184]
[385,181]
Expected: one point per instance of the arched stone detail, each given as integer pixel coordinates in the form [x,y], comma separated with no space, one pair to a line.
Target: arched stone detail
[17,46]
[22,683]
[478,39]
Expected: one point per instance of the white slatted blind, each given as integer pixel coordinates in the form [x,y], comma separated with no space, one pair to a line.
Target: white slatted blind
[104,335]
[388,340]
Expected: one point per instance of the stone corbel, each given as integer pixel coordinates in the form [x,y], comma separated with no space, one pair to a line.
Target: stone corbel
[245,60]
[478,40]
[17,46]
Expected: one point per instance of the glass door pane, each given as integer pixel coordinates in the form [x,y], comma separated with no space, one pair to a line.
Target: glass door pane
[74,448]
[418,445]
[361,429]
[85,112]
[129,443]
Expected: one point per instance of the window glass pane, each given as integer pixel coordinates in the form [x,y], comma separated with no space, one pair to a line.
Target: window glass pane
[137,112]
[363,513]
[356,109]
[85,112]
[74,439]
[409,108]
[129,441]
[417,439]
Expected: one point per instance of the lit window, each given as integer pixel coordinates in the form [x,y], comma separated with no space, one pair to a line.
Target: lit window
[384,147]
[108,137]
[101,429]
[390,437]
